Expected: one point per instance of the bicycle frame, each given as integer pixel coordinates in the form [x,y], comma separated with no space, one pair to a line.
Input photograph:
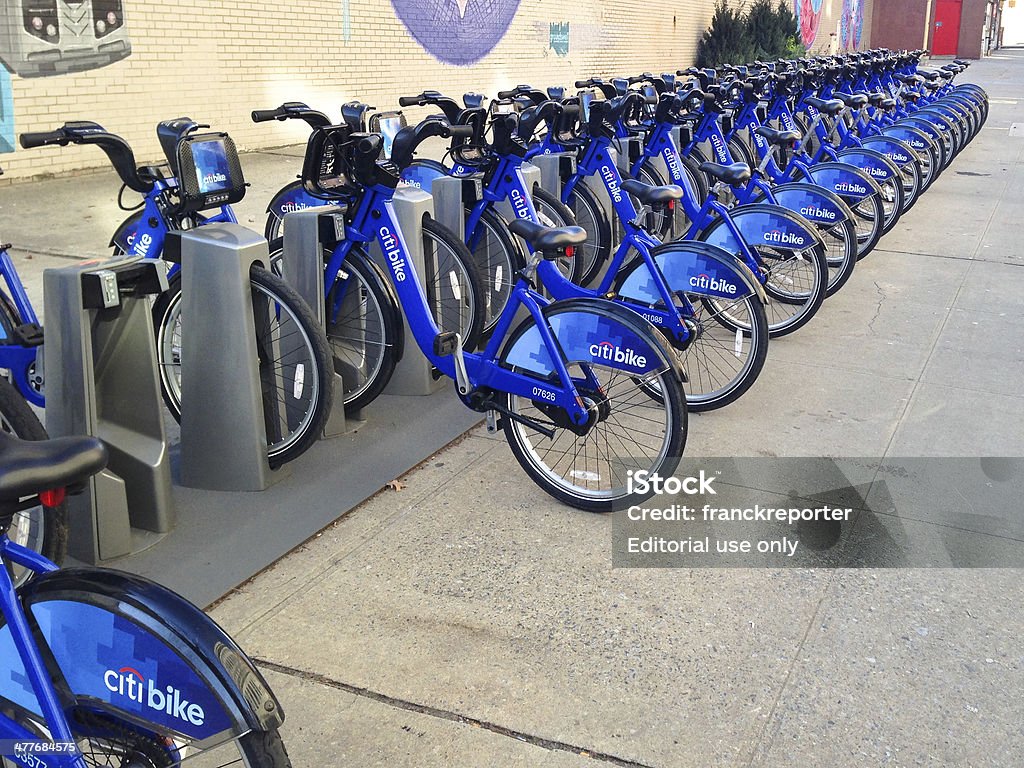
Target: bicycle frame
[17,358]
[548,378]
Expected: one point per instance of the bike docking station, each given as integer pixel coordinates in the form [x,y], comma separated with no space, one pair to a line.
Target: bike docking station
[414,375]
[308,234]
[100,352]
[223,417]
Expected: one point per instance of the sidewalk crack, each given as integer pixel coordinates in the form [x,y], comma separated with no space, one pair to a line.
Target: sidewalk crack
[454,717]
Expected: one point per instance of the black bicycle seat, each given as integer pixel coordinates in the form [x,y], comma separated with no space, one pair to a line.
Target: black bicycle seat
[852,100]
[774,136]
[826,106]
[28,466]
[733,175]
[548,239]
[651,195]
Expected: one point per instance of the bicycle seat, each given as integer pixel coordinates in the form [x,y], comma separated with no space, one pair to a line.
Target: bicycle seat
[733,175]
[876,98]
[826,106]
[649,194]
[774,136]
[28,466]
[548,239]
[852,100]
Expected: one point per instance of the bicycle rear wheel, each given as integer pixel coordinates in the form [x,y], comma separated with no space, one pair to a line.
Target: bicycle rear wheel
[41,529]
[630,429]
[498,258]
[294,362]
[590,215]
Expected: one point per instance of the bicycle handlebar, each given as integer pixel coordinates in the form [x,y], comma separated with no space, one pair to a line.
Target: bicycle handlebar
[85,132]
[43,138]
[447,105]
[292,110]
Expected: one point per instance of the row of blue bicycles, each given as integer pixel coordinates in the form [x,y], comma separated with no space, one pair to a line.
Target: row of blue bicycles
[692,218]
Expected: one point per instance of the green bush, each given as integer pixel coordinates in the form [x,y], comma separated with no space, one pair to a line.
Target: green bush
[727,40]
[763,31]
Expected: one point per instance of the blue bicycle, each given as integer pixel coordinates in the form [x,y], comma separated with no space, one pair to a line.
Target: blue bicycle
[585,390]
[292,347]
[102,668]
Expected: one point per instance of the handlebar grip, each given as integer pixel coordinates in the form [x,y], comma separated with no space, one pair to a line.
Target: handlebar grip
[510,94]
[263,115]
[409,101]
[461,131]
[42,139]
[584,83]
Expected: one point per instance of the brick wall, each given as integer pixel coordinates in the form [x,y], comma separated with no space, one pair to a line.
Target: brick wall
[216,60]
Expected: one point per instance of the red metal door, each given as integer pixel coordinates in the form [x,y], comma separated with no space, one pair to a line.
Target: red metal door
[947,27]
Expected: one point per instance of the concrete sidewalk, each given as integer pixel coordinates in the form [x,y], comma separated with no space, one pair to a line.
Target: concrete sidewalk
[470,620]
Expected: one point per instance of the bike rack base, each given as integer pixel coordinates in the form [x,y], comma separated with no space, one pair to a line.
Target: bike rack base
[100,352]
[223,432]
[307,234]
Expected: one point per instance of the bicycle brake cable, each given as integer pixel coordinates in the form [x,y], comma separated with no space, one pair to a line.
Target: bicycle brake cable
[121,204]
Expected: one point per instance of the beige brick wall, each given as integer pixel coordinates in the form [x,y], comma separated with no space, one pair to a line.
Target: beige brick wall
[216,60]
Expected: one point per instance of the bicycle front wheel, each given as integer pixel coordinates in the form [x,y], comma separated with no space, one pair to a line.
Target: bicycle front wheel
[636,424]
[294,362]
[41,529]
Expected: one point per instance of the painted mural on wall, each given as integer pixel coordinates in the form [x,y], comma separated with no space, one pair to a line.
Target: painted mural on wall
[851,25]
[459,32]
[808,15]
[44,39]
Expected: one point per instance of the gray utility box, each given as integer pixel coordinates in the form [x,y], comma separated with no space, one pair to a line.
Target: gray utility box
[554,168]
[414,375]
[224,418]
[309,237]
[100,357]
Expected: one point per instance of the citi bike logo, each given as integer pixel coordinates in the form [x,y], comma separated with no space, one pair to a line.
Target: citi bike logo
[719,147]
[673,164]
[846,186]
[707,283]
[393,253]
[612,182]
[130,684]
[880,173]
[519,204]
[293,206]
[142,249]
[897,157]
[608,351]
[783,238]
[821,213]
[214,178]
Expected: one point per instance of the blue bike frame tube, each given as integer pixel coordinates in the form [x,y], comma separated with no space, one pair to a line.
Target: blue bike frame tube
[376,214]
[17,290]
[35,668]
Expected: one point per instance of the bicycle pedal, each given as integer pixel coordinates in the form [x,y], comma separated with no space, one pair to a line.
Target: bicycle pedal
[28,335]
[446,343]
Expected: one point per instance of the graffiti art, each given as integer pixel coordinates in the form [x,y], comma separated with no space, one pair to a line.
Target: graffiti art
[808,15]
[459,32]
[851,25]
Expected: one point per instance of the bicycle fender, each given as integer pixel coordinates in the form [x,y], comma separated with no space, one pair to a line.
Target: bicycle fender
[690,266]
[291,198]
[875,163]
[423,173]
[813,202]
[140,648]
[591,330]
[896,150]
[125,233]
[845,180]
[913,137]
[763,224]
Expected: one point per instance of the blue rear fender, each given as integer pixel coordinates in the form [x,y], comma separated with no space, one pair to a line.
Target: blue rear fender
[290,198]
[690,266]
[131,646]
[880,167]
[848,182]
[590,330]
[423,173]
[763,224]
[813,202]
[896,150]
